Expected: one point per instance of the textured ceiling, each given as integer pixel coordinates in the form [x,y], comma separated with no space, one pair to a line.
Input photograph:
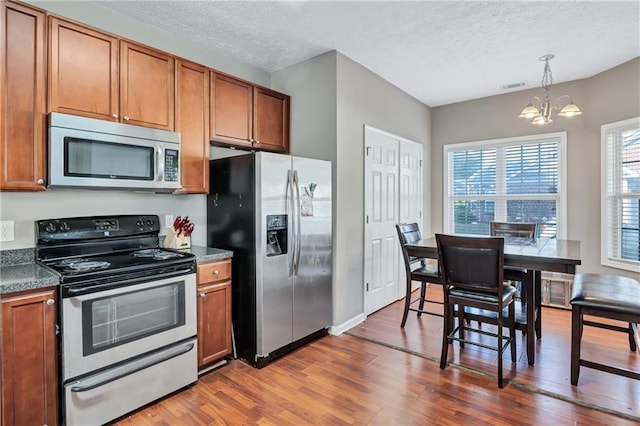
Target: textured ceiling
[440,52]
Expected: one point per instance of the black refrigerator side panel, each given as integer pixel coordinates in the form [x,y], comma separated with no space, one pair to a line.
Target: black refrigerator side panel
[231,225]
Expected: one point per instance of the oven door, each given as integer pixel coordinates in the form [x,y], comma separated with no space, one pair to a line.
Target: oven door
[103,328]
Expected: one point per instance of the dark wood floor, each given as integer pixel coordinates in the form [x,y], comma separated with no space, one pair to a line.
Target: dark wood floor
[353,380]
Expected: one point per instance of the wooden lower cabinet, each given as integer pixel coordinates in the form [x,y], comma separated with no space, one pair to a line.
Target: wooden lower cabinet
[29,359]
[214,311]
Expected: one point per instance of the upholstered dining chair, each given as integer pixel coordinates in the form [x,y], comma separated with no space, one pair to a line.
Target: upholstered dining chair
[472,272]
[425,274]
[511,229]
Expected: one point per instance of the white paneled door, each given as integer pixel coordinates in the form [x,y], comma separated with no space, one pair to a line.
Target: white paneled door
[393,194]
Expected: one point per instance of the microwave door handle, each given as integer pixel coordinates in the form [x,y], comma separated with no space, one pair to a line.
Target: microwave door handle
[159,164]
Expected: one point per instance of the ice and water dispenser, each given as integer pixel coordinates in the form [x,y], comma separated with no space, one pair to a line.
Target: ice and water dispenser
[276,234]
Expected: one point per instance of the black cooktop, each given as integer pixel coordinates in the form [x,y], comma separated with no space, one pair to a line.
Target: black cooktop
[96,248]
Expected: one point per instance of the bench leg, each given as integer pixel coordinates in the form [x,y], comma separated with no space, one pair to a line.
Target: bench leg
[633,332]
[576,337]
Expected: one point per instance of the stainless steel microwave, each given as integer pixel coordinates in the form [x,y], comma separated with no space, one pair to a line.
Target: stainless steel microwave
[98,154]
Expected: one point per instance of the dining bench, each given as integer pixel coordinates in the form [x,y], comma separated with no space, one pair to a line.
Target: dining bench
[603,296]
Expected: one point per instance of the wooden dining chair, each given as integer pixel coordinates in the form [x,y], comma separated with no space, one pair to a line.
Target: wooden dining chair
[425,274]
[472,272]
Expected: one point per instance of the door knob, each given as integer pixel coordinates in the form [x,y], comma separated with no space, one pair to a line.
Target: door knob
[114,115]
[50,302]
[126,117]
[40,182]
[202,295]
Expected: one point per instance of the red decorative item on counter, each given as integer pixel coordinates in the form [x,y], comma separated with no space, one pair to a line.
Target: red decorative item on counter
[179,236]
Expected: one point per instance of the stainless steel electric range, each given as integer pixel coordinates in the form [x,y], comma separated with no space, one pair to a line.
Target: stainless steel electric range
[127,314]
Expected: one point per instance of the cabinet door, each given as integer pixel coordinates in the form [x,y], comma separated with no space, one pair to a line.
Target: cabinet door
[231,111]
[22,100]
[270,120]
[29,359]
[192,121]
[214,322]
[83,71]
[147,87]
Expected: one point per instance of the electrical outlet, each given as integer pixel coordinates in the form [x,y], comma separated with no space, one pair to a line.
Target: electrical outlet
[168,220]
[6,230]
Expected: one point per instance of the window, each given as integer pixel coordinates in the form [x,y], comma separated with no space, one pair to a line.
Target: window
[507,180]
[621,194]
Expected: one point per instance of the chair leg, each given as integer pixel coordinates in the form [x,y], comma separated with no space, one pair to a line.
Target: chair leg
[461,324]
[407,303]
[446,329]
[512,330]
[500,344]
[576,337]
[423,295]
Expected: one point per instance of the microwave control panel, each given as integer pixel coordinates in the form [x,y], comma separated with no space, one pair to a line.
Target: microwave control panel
[171,165]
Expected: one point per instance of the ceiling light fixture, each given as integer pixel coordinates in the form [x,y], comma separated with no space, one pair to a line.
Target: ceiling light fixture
[539,110]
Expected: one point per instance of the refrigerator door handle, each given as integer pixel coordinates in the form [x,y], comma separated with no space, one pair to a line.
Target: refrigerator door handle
[292,210]
[297,228]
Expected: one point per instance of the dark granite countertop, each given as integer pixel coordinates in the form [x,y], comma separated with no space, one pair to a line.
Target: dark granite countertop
[206,254]
[27,276]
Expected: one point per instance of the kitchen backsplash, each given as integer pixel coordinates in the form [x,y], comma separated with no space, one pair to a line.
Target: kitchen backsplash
[24,208]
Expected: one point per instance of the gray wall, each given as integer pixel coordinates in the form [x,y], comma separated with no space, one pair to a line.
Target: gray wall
[332,99]
[613,95]
[365,98]
[23,208]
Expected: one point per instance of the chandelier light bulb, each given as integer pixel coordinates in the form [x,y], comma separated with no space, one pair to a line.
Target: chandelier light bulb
[539,110]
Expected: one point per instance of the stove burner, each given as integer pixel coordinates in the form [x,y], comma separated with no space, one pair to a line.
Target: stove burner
[156,254]
[67,262]
[82,265]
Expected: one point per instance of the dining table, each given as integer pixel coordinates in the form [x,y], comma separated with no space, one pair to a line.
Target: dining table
[535,255]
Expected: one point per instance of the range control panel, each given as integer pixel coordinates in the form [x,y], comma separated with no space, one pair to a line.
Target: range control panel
[83,228]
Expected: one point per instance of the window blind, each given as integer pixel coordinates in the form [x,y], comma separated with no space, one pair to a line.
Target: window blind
[621,194]
[509,181]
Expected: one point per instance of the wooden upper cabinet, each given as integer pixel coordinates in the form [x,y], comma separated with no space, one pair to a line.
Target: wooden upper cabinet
[147,86]
[270,120]
[250,116]
[29,359]
[83,71]
[192,121]
[22,98]
[97,75]
[231,111]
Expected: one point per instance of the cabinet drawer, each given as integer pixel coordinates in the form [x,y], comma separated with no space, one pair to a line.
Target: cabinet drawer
[214,271]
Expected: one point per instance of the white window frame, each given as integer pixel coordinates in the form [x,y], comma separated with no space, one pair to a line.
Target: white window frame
[561,137]
[628,265]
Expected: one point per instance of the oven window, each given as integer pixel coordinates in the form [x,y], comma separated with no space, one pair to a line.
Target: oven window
[118,319]
[91,158]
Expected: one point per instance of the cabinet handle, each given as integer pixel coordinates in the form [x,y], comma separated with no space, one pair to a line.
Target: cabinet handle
[216,272]
[126,117]
[40,182]
[114,115]
[202,295]
[251,140]
[50,302]
[257,141]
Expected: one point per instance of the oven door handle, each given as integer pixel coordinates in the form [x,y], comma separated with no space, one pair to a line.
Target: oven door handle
[79,290]
[131,368]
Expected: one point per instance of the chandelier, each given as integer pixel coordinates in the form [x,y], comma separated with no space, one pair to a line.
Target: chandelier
[539,110]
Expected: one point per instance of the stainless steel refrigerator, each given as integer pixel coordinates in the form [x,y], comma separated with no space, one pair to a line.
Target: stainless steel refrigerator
[274,212]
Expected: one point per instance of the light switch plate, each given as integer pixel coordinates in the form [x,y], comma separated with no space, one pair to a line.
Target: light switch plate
[6,230]
[168,220]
